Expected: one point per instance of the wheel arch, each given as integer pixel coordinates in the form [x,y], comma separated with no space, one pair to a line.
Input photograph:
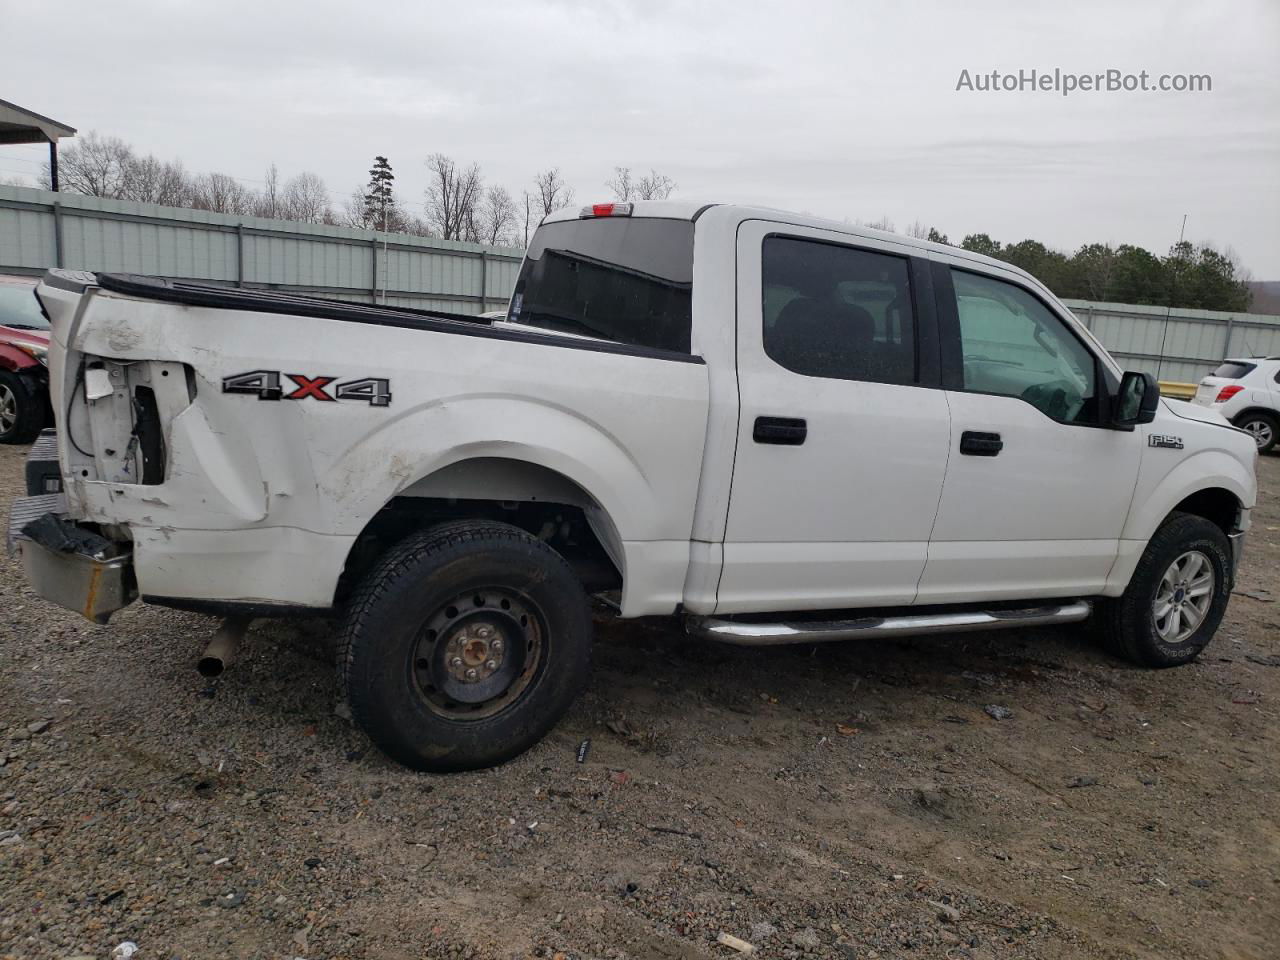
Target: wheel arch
[1268,412]
[539,499]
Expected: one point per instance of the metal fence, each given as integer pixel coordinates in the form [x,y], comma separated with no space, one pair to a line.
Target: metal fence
[40,229]
[1178,345]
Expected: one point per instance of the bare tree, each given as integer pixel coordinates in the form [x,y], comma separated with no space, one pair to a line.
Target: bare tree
[270,200]
[151,180]
[306,198]
[496,220]
[655,186]
[94,165]
[884,223]
[652,186]
[622,185]
[222,193]
[918,230]
[553,193]
[452,196]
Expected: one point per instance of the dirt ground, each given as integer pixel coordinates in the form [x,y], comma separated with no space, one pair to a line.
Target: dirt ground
[849,801]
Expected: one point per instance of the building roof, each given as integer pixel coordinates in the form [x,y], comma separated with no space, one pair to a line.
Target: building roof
[19,125]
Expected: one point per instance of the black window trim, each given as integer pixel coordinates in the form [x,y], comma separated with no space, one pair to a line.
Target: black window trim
[925,334]
[1105,381]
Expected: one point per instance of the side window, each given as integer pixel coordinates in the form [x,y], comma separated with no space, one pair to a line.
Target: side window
[1013,345]
[837,312]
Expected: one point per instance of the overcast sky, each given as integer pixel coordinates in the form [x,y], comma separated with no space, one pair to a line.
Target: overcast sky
[842,109]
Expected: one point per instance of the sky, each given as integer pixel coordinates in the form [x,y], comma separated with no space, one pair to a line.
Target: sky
[848,110]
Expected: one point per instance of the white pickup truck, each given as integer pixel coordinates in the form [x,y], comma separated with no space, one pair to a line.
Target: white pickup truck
[781,428]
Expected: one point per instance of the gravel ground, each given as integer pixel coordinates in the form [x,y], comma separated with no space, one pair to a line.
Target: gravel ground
[849,801]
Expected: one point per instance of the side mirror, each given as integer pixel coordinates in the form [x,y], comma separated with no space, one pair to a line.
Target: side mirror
[1136,400]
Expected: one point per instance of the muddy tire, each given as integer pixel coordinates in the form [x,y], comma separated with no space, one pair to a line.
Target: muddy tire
[464,645]
[21,408]
[1176,598]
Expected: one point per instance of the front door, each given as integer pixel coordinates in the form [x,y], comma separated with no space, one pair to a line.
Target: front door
[1037,487]
[843,432]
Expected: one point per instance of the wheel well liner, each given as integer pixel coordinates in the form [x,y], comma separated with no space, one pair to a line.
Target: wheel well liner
[535,498]
[1220,507]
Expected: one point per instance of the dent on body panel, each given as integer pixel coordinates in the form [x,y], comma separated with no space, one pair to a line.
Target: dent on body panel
[429,437]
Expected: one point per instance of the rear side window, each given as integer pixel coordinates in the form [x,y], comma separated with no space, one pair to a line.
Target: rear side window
[838,312]
[1231,370]
[615,278]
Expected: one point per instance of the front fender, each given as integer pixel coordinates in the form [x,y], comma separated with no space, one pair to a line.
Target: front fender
[15,360]
[1156,497]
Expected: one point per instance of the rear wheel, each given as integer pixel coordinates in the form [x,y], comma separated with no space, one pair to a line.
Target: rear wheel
[1176,597]
[1264,427]
[21,409]
[464,646]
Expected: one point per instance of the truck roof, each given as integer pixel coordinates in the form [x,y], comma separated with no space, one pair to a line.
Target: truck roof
[691,210]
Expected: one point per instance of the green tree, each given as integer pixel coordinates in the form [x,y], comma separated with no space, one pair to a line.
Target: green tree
[981,243]
[935,237]
[379,198]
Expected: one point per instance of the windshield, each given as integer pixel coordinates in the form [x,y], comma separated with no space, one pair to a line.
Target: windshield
[615,278]
[19,307]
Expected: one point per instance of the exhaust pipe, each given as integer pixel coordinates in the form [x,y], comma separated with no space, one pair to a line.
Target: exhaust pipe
[222,649]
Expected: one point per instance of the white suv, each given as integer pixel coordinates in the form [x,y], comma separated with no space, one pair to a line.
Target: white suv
[1246,392]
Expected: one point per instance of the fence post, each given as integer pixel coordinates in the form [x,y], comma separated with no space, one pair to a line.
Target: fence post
[240,254]
[373,282]
[484,281]
[1088,318]
[1226,347]
[57,234]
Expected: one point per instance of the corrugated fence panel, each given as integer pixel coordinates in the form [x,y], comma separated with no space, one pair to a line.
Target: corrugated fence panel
[26,238]
[1179,345]
[95,233]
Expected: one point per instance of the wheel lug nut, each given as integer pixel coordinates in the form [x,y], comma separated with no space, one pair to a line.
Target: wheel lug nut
[455,662]
[496,646]
[471,674]
[491,664]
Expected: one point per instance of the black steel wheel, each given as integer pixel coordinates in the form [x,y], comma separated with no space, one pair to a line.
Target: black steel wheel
[464,646]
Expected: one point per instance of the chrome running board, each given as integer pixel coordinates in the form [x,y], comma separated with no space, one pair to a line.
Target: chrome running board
[757,634]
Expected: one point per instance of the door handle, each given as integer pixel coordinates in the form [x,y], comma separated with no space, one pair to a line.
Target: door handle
[977,444]
[787,431]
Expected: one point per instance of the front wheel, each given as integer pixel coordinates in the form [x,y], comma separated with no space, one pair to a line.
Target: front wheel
[1264,428]
[1176,597]
[464,646]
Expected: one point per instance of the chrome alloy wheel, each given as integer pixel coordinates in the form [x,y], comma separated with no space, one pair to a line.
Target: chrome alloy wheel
[1262,431]
[8,409]
[1183,597]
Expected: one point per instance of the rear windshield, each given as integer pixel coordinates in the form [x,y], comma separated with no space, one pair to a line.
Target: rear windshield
[1231,370]
[616,278]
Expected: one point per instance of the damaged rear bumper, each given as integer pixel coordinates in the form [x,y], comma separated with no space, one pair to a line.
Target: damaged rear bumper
[68,564]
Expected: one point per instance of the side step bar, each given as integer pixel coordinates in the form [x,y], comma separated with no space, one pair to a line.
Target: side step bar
[748,634]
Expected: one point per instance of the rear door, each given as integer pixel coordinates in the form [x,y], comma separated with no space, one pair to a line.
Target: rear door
[843,432]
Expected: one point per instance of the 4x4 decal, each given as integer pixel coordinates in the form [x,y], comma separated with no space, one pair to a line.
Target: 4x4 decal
[267,385]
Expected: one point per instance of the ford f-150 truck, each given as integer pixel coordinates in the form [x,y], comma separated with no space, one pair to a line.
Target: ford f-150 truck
[780,428]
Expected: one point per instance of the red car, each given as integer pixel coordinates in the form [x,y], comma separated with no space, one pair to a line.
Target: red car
[24,352]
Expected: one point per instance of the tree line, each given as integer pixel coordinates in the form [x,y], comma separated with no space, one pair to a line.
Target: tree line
[458,203]
[1189,276]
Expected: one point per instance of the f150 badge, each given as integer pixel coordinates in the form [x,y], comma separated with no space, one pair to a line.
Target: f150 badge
[267,385]
[1161,440]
